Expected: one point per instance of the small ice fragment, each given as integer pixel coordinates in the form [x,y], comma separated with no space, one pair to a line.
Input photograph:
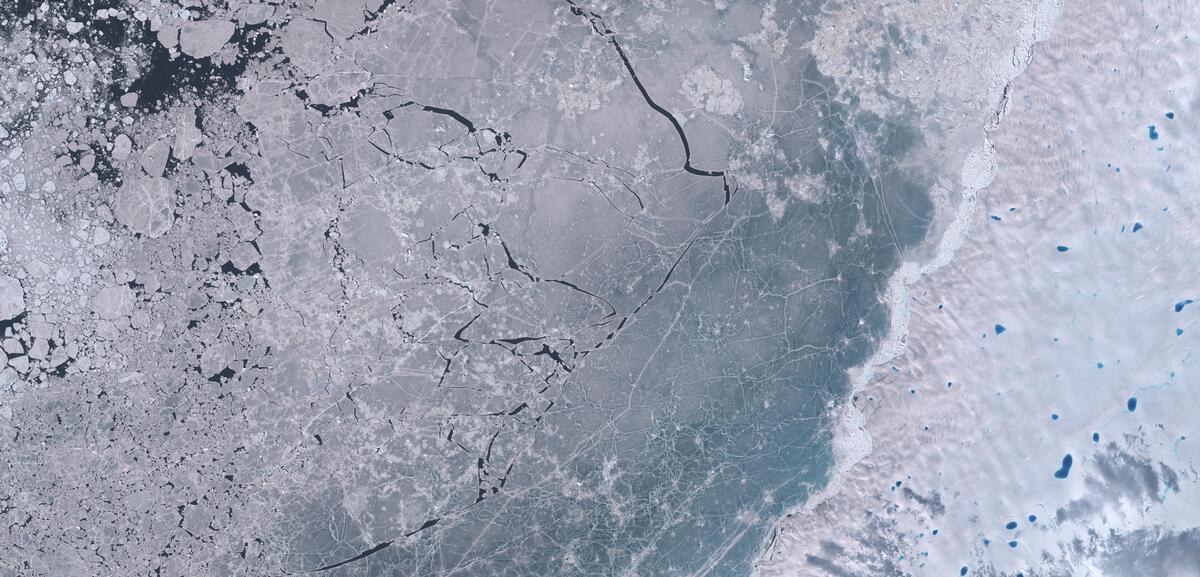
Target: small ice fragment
[12,298]
[100,237]
[187,136]
[39,350]
[122,147]
[244,256]
[154,158]
[146,206]
[255,14]
[204,38]
[168,36]
[129,99]
[21,364]
[113,302]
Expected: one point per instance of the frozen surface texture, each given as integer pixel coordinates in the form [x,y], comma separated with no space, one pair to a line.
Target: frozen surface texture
[571,287]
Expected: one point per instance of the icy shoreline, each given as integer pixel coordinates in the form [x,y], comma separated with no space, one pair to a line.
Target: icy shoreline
[1042,419]
[851,440]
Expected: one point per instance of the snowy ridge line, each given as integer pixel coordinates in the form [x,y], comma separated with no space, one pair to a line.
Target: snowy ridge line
[851,440]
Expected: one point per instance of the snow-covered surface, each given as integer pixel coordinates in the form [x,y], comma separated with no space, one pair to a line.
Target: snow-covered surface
[1059,328]
[582,287]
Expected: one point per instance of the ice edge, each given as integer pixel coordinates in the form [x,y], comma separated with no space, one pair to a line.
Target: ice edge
[851,440]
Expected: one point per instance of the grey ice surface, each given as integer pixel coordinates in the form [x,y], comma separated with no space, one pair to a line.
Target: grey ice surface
[454,287]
